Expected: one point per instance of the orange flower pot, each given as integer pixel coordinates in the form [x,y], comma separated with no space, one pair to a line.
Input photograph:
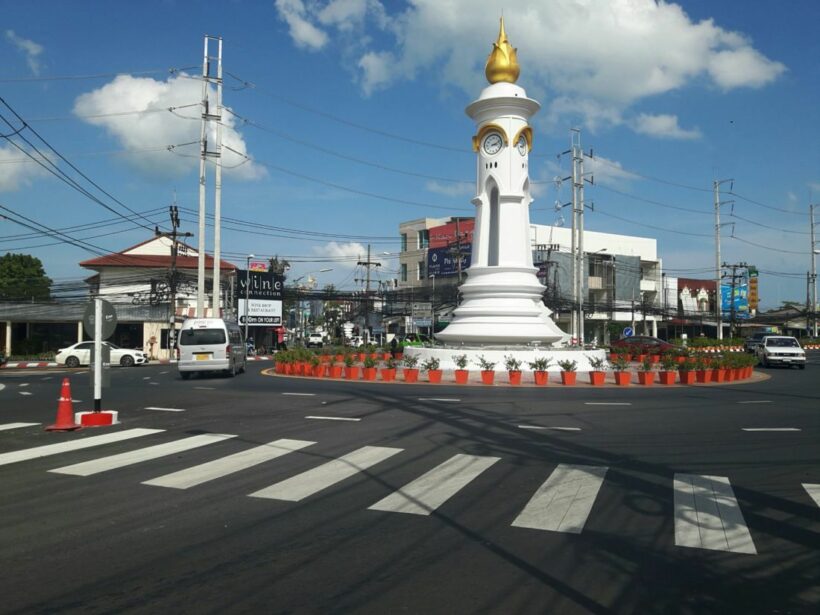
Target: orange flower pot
[515,377]
[686,376]
[569,378]
[352,373]
[369,373]
[462,376]
[541,378]
[411,374]
[703,375]
[597,378]
[388,374]
[646,378]
[718,375]
[434,375]
[335,371]
[487,376]
[666,377]
[623,379]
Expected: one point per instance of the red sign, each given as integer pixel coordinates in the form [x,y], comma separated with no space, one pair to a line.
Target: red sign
[258,266]
[448,234]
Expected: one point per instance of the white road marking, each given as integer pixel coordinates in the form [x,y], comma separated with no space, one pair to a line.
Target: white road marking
[607,403]
[771,429]
[154,383]
[756,401]
[425,494]
[46,378]
[206,388]
[211,470]
[165,409]
[332,418]
[23,384]
[564,501]
[16,425]
[814,491]
[707,515]
[25,392]
[74,445]
[439,399]
[300,394]
[162,373]
[326,475]
[104,464]
[2,386]
[147,378]
[549,428]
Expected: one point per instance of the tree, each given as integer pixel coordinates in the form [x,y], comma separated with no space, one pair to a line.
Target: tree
[22,278]
[279,266]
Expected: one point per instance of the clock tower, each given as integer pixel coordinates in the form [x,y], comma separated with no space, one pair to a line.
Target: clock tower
[502,297]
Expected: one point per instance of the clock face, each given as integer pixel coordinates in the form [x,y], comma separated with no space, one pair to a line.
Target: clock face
[492,143]
[521,146]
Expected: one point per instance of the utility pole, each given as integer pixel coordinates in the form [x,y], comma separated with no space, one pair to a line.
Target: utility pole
[733,285]
[206,117]
[367,264]
[577,243]
[218,183]
[718,273]
[174,235]
[813,253]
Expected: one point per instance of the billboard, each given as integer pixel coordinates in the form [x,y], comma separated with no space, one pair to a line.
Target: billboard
[443,262]
[263,290]
[739,303]
[449,234]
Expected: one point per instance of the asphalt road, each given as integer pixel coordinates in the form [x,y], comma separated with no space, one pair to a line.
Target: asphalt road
[380,530]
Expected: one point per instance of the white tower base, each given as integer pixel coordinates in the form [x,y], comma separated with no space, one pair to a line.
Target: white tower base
[502,306]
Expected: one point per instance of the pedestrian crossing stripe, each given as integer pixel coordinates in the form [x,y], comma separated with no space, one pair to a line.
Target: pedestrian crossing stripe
[74,445]
[224,466]
[104,464]
[564,501]
[8,426]
[431,490]
[326,475]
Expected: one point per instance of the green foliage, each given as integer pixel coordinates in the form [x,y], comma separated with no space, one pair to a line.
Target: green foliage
[410,361]
[647,365]
[349,359]
[619,363]
[597,363]
[568,365]
[669,361]
[22,278]
[369,361]
[430,364]
[390,363]
[485,365]
[540,364]
[512,364]
[460,360]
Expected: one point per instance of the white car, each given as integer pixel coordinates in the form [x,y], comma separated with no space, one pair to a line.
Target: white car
[80,354]
[781,350]
[315,339]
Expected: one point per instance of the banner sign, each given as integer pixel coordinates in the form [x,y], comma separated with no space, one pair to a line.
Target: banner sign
[258,265]
[263,290]
[740,301]
[442,262]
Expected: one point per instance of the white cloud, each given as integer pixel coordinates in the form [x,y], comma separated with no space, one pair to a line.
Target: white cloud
[29,48]
[607,172]
[303,33]
[16,169]
[664,126]
[346,255]
[451,188]
[590,59]
[157,127]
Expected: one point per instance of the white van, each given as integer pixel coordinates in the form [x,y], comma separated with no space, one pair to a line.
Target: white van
[209,345]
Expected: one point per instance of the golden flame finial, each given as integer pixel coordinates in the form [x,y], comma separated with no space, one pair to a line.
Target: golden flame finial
[502,63]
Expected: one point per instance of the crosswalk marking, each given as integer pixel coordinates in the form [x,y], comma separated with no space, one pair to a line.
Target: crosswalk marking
[74,445]
[813,491]
[161,409]
[8,426]
[707,515]
[564,501]
[425,494]
[333,418]
[211,470]
[104,464]
[307,483]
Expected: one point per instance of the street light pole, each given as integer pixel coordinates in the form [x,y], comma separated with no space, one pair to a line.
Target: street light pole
[247,291]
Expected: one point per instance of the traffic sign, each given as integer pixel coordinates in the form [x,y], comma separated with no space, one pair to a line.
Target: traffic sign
[109,319]
[629,332]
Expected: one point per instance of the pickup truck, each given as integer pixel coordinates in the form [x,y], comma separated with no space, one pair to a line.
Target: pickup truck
[781,350]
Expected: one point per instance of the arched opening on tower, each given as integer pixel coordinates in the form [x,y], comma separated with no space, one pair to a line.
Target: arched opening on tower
[492,251]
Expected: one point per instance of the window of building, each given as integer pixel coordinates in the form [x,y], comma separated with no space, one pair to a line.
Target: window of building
[404,242]
[422,270]
[403,270]
[424,238]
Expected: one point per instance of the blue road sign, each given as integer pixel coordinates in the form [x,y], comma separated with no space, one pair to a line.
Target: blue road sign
[628,332]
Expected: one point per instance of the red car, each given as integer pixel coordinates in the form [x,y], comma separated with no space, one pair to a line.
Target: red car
[643,344]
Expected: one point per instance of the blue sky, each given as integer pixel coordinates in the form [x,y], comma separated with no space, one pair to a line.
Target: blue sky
[349,118]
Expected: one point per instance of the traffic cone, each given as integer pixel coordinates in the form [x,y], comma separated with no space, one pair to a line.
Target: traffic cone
[65,413]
